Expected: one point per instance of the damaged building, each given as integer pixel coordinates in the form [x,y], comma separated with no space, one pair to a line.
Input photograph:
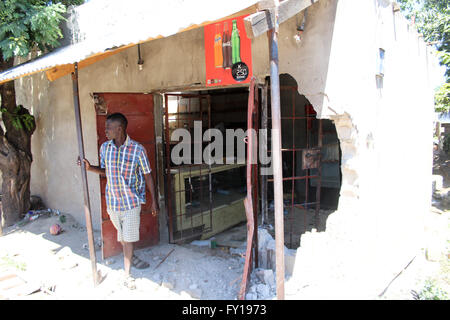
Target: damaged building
[356,87]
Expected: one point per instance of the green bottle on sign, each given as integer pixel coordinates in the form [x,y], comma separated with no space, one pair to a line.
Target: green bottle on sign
[235,44]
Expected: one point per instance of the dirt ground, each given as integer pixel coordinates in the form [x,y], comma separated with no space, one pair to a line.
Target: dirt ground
[58,267]
[37,265]
[428,275]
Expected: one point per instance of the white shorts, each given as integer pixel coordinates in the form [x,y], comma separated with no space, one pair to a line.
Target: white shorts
[126,223]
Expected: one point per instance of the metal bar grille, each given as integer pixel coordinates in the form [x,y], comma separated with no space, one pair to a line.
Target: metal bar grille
[189,216]
[303,135]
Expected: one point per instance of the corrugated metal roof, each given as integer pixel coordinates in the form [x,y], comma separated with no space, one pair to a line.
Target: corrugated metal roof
[102,25]
[61,56]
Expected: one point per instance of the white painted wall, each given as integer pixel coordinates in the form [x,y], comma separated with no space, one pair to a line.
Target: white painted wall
[386,140]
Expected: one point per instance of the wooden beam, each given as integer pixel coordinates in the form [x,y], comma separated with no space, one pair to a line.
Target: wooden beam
[265,5]
[261,22]
[395,6]
[59,71]
[62,70]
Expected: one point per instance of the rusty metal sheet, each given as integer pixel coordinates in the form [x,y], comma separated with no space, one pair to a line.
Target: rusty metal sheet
[249,203]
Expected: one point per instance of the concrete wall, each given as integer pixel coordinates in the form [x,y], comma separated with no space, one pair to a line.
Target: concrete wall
[385,129]
[306,60]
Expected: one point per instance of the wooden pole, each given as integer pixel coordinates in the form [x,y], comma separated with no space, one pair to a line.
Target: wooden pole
[276,154]
[87,206]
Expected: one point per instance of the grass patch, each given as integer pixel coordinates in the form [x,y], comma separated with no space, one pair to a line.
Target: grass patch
[431,291]
[7,262]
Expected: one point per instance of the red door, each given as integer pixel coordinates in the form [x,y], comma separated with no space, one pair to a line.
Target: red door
[138,108]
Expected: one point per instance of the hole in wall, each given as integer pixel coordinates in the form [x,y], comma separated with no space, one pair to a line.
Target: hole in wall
[310,188]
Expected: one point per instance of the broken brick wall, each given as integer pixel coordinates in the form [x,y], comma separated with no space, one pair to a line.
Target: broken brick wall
[384,123]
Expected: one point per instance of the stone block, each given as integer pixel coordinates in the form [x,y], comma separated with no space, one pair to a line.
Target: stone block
[195,293]
[167,284]
[267,253]
[263,291]
[289,261]
[345,133]
[266,276]
[435,248]
[251,296]
[437,182]
[433,254]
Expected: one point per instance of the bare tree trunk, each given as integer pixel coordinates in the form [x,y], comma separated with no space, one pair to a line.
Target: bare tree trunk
[16,185]
[15,156]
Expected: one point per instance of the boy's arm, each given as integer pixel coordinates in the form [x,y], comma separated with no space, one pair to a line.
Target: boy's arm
[91,168]
[151,188]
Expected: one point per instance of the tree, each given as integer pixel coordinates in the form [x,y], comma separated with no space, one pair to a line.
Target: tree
[432,19]
[25,25]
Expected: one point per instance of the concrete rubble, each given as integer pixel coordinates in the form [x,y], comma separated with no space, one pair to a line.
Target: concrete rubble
[267,256]
[437,226]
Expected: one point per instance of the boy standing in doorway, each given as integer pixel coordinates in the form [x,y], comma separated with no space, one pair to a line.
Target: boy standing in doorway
[125,164]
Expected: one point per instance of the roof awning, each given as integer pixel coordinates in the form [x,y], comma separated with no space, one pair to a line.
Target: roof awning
[108,27]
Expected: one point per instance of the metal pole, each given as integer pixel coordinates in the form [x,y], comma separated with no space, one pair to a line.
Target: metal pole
[264,211]
[255,126]
[276,155]
[168,171]
[87,206]
[319,179]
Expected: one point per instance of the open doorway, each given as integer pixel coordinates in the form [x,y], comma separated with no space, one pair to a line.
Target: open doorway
[204,199]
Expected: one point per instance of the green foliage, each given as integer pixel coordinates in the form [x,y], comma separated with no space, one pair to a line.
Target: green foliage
[20,120]
[432,19]
[446,143]
[442,98]
[431,292]
[6,262]
[25,24]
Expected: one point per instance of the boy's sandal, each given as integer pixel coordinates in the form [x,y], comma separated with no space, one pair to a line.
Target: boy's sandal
[138,263]
[129,282]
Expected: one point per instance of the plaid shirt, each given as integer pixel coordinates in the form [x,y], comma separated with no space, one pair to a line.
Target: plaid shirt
[125,168]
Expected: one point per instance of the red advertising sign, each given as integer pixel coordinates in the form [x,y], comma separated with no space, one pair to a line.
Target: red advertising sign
[228,54]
